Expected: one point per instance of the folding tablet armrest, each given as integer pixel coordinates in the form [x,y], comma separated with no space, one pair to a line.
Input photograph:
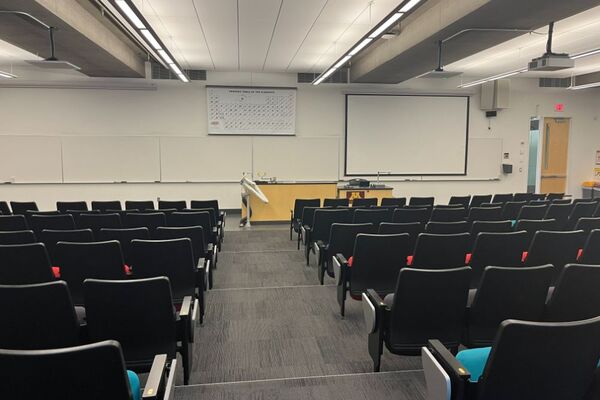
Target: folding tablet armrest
[374,310]
[319,248]
[187,315]
[186,307]
[446,367]
[339,265]
[157,378]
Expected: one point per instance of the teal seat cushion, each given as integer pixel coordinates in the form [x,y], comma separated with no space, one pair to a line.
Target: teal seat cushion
[474,361]
[134,383]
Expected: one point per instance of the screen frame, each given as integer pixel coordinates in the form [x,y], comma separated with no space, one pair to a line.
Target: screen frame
[347,95]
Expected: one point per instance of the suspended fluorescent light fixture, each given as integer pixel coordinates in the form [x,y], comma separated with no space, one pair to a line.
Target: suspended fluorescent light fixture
[6,75]
[130,14]
[585,54]
[165,56]
[586,86]
[493,78]
[381,28]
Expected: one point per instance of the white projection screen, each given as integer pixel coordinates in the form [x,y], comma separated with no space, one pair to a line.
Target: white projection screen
[406,134]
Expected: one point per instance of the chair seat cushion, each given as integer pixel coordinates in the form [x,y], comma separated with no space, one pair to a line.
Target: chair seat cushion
[134,383]
[474,361]
[389,300]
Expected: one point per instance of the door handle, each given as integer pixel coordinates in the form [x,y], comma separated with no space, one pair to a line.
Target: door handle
[553,176]
[547,146]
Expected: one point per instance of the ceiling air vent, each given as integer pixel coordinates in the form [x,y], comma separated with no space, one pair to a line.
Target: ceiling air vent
[555,82]
[339,76]
[160,72]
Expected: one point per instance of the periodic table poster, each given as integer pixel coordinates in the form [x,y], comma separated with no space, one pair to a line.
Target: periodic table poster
[251,110]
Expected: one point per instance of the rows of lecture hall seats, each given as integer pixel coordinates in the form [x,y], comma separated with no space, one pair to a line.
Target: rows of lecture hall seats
[481,288]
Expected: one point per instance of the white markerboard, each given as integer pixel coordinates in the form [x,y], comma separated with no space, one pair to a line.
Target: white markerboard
[297,158]
[30,159]
[111,159]
[205,159]
[251,110]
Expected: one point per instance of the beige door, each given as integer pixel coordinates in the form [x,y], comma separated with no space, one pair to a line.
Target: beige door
[554,155]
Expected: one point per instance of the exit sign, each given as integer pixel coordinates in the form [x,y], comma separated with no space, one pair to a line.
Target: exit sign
[559,107]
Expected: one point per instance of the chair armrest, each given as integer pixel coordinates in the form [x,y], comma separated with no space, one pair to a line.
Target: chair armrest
[210,247]
[339,263]
[448,361]
[375,298]
[374,310]
[156,378]
[186,307]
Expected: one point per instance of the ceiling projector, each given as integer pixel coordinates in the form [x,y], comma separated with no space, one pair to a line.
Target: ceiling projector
[551,62]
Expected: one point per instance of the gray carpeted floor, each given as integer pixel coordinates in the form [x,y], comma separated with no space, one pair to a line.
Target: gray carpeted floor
[268,318]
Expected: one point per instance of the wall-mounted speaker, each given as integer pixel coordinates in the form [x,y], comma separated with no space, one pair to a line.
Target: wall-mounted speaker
[495,95]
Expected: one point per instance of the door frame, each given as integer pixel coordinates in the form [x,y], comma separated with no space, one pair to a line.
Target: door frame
[538,181]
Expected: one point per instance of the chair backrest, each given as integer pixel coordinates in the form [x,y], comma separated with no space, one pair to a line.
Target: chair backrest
[145,220]
[51,237]
[20,207]
[374,216]
[538,196]
[324,218]
[214,204]
[484,214]
[448,214]
[540,202]
[407,215]
[412,228]
[531,226]
[23,264]
[90,371]
[342,202]
[172,204]
[463,201]
[421,201]
[556,248]
[13,223]
[532,212]
[141,205]
[560,213]
[194,233]
[519,197]
[342,237]
[428,304]
[124,237]
[576,295]
[497,249]
[106,205]
[299,205]
[308,216]
[55,222]
[502,198]
[591,248]
[95,222]
[512,208]
[189,219]
[377,260]
[145,324]
[490,226]
[17,237]
[4,208]
[38,316]
[445,228]
[488,205]
[365,202]
[213,215]
[434,251]
[520,357]
[172,258]
[66,206]
[555,196]
[517,293]
[588,224]
[478,199]
[80,261]
[393,201]
[580,210]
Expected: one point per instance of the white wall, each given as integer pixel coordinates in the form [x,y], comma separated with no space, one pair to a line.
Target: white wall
[180,110]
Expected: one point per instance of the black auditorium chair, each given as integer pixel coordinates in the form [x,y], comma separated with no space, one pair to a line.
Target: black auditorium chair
[80,261]
[506,293]
[373,215]
[489,205]
[216,224]
[588,224]
[519,197]
[20,207]
[531,226]
[95,222]
[511,209]
[555,196]
[478,199]
[365,202]
[462,201]
[308,215]
[503,249]
[434,251]
[66,206]
[407,215]
[376,262]
[296,213]
[490,226]
[445,228]
[538,196]
[519,365]
[76,214]
[322,225]
[13,223]
[37,316]
[124,237]
[412,228]
[214,204]
[421,201]
[150,220]
[23,264]
[50,237]
[88,371]
[543,202]
[56,222]
[4,208]
[17,237]
[591,249]
[580,210]
[502,198]
[342,202]
[426,304]
[448,214]
[146,323]
[576,295]
[393,202]
[555,247]
[198,218]
[341,241]
[172,204]
[140,205]
[105,205]
[484,214]
[560,213]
